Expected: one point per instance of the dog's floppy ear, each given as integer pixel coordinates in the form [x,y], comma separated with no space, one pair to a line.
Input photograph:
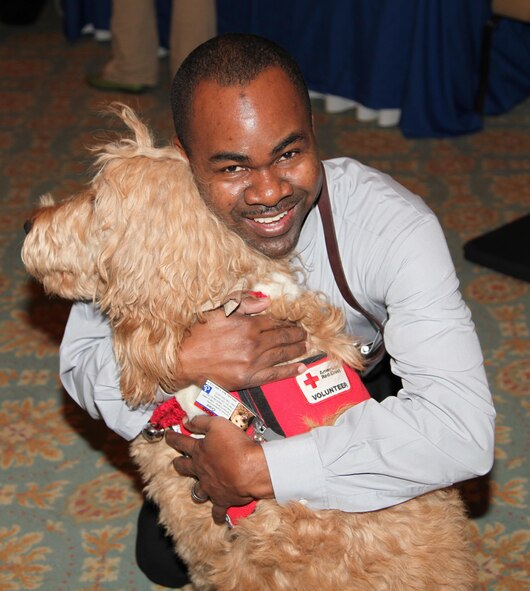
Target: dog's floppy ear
[60,247]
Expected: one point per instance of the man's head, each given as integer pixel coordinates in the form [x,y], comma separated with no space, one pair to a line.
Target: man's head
[243,118]
[229,60]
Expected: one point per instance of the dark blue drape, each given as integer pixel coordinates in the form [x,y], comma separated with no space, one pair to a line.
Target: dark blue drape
[77,13]
[442,72]
[510,66]
[420,56]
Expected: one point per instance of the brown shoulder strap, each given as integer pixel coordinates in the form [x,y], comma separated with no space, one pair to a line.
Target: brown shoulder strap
[324,206]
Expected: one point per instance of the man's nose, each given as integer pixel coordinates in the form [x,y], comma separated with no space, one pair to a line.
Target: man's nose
[266,188]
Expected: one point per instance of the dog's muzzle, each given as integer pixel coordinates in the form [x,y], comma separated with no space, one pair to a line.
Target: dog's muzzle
[28,224]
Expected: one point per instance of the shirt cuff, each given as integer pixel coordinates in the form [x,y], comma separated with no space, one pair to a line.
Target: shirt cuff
[296,471]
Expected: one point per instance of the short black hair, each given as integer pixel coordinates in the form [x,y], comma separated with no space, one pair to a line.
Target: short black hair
[232,59]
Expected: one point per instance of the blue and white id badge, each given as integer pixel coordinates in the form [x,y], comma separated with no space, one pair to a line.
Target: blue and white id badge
[216,401]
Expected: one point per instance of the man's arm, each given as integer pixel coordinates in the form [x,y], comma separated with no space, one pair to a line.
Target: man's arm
[89,374]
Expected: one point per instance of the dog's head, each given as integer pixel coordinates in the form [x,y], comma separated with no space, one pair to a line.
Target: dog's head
[59,249]
[118,241]
[142,244]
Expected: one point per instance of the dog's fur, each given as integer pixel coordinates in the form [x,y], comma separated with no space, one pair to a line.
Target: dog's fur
[141,243]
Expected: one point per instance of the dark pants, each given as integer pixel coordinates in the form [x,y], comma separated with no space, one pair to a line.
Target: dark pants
[381,382]
[154,550]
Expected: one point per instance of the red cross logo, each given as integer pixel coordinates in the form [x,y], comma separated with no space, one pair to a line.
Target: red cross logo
[311,380]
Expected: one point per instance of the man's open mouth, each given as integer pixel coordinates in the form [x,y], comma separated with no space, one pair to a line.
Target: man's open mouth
[271,220]
[274,225]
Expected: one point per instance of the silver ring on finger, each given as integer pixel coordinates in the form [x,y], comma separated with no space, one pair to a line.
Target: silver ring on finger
[196,498]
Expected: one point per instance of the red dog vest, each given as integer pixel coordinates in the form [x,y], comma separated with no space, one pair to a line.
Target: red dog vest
[286,407]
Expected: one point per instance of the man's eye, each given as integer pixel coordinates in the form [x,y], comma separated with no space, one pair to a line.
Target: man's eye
[232,169]
[288,155]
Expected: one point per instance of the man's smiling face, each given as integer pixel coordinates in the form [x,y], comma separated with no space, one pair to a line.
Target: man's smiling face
[254,157]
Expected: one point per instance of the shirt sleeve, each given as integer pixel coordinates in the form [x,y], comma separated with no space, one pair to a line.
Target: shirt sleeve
[437,431]
[89,373]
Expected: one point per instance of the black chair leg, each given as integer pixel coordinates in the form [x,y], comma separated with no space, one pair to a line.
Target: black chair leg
[480,97]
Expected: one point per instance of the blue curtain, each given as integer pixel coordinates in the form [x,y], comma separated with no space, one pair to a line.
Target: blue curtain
[420,56]
[78,13]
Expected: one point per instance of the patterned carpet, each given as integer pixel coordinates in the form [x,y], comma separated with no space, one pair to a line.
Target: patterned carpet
[68,496]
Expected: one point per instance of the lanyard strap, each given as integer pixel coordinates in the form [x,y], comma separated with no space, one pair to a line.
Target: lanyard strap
[324,206]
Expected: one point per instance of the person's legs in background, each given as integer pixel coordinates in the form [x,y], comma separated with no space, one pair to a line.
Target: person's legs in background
[134,63]
[192,23]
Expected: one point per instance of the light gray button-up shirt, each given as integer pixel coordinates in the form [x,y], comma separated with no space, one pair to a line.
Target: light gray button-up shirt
[437,431]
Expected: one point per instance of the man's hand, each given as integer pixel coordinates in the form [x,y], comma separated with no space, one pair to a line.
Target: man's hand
[231,468]
[241,350]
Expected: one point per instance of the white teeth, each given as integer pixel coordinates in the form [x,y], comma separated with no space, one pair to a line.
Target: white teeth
[271,220]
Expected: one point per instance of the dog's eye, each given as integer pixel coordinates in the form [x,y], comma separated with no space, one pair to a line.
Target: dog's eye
[28,224]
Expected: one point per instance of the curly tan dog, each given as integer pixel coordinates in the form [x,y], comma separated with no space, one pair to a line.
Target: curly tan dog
[142,244]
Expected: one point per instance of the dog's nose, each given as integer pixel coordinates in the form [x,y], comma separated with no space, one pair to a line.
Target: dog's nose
[28,224]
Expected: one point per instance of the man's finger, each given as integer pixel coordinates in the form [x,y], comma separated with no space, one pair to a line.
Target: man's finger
[285,354]
[180,442]
[285,335]
[219,514]
[199,424]
[263,323]
[253,305]
[276,373]
[183,466]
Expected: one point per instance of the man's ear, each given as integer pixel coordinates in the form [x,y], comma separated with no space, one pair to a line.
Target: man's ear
[178,145]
